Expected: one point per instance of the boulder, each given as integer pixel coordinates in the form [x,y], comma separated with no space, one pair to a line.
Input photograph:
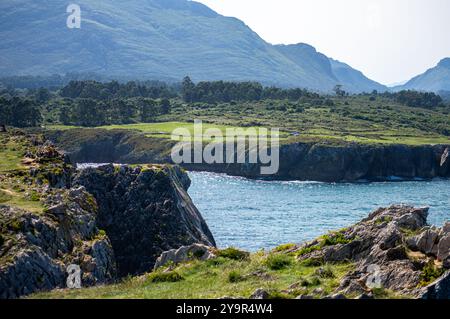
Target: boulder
[425,242]
[184,254]
[260,294]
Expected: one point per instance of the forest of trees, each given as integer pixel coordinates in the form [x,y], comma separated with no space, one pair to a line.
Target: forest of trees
[112,90]
[94,103]
[19,112]
[91,112]
[416,99]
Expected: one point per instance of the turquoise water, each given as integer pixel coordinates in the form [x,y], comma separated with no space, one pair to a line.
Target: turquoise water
[253,214]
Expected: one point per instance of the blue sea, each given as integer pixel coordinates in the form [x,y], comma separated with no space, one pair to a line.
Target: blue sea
[253,215]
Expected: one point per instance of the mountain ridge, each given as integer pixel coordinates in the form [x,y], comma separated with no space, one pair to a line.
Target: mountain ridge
[435,79]
[155,39]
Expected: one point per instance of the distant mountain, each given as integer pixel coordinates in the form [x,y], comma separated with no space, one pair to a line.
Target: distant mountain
[354,80]
[156,39]
[436,79]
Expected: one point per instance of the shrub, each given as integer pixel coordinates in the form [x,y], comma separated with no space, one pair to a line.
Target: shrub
[234,276]
[430,273]
[171,276]
[277,261]
[334,239]
[101,233]
[4,197]
[312,262]
[284,247]
[307,250]
[325,272]
[278,295]
[313,281]
[2,240]
[233,253]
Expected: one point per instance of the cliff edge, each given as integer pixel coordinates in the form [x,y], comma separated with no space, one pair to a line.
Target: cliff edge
[108,221]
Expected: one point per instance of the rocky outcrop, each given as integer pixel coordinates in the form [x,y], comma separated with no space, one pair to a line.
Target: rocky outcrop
[106,222]
[144,211]
[37,249]
[184,254]
[393,248]
[323,161]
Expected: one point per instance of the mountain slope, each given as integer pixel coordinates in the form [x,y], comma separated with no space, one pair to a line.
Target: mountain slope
[157,39]
[354,80]
[434,80]
[322,69]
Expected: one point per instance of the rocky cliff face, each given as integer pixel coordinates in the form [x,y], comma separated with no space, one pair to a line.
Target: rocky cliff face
[299,161]
[354,162]
[110,221]
[144,211]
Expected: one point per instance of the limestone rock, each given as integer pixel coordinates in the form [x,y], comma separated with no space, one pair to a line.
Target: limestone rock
[260,294]
[426,242]
[144,213]
[184,254]
[443,248]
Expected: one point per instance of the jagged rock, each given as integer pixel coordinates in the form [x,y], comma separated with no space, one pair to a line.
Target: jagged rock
[439,289]
[144,212]
[351,286]
[388,237]
[184,254]
[446,228]
[415,220]
[260,294]
[304,297]
[446,263]
[377,247]
[445,162]
[443,248]
[426,242]
[43,246]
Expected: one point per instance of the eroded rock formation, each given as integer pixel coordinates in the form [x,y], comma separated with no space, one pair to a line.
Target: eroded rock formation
[393,248]
[109,221]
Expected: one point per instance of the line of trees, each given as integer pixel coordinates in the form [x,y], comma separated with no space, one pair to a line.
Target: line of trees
[91,112]
[221,91]
[113,90]
[415,98]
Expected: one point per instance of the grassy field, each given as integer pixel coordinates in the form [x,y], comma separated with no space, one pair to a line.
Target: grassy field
[13,190]
[280,274]
[351,119]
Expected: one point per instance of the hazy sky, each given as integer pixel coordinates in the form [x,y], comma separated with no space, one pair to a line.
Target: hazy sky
[388,40]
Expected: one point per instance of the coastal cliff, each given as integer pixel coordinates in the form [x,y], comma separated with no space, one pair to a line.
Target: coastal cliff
[320,161]
[109,221]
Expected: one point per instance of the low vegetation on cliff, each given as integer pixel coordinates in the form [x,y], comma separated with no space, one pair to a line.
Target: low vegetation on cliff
[390,254]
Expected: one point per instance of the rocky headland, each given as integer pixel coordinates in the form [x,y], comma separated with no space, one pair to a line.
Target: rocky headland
[111,221]
[313,161]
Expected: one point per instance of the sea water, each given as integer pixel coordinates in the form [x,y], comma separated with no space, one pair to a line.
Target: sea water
[253,214]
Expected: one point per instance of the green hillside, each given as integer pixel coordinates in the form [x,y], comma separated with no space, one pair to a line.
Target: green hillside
[152,39]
